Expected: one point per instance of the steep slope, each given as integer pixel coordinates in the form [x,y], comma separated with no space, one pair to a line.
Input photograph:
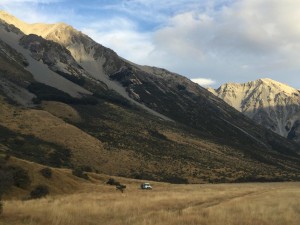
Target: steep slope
[268,102]
[11,36]
[189,136]
[60,181]
[97,60]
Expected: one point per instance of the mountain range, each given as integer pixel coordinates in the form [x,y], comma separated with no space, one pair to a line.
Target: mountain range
[68,101]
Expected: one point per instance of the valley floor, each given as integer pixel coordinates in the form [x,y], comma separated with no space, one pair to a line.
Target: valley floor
[220,204]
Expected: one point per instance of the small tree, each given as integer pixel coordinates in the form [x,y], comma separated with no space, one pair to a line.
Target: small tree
[112,181]
[6,181]
[79,173]
[39,192]
[46,172]
[121,187]
[20,176]
[86,168]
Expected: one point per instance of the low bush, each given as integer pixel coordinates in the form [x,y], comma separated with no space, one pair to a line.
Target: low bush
[80,173]
[33,149]
[156,134]
[7,156]
[87,169]
[39,192]
[20,176]
[1,206]
[6,180]
[112,181]
[46,172]
[5,183]
[175,180]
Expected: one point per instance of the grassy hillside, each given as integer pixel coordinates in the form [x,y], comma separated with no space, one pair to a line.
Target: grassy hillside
[128,142]
[235,204]
[170,150]
[60,182]
[75,201]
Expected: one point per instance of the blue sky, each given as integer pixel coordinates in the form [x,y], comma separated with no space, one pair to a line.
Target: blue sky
[214,41]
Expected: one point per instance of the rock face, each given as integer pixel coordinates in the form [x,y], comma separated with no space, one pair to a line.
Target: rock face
[58,58]
[268,102]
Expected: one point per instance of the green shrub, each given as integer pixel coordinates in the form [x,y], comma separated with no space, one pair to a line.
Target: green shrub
[6,182]
[20,176]
[39,192]
[87,169]
[33,149]
[46,172]
[1,206]
[80,173]
[175,180]
[112,181]
[7,156]
[156,134]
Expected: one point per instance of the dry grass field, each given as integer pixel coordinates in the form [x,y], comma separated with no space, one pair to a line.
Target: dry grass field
[220,204]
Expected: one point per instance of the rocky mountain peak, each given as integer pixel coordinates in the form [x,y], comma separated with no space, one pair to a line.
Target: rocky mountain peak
[10,19]
[277,86]
[55,32]
[7,17]
[268,102]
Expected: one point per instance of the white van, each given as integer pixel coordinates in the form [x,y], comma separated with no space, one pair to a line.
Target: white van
[146,186]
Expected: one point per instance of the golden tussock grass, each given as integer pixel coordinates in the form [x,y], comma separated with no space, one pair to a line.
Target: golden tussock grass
[232,204]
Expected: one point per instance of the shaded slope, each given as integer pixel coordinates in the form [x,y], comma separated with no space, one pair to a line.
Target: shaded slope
[11,36]
[188,103]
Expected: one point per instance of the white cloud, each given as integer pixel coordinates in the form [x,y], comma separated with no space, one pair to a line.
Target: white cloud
[237,41]
[32,11]
[204,81]
[121,35]
[264,35]
[29,1]
[156,10]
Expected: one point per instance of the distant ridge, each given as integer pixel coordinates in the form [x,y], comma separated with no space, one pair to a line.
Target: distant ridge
[270,103]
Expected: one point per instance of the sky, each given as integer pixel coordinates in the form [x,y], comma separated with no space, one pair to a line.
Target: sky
[209,41]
